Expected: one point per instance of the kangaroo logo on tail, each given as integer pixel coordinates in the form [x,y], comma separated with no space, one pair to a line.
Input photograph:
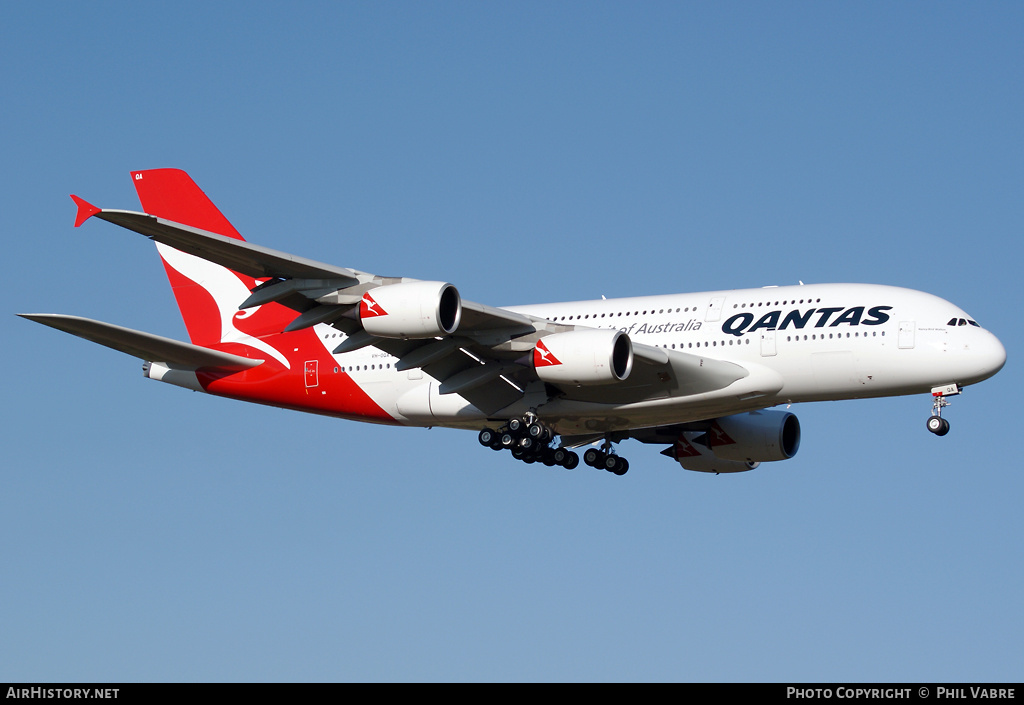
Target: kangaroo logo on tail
[208,294]
[227,291]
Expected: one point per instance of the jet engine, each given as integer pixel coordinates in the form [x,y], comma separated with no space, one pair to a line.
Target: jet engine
[758,436]
[694,455]
[411,310]
[740,442]
[584,357]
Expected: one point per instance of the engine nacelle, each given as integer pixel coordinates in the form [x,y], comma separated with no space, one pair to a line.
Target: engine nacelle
[584,357]
[695,456]
[759,436]
[739,443]
[411,310]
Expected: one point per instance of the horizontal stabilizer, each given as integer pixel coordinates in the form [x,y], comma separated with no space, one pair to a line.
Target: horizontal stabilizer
[153,348]
[85,210]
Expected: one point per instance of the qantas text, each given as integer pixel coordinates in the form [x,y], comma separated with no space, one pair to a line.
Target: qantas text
[773,320]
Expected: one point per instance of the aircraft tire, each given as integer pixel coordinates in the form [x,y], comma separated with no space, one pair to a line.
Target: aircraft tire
[938,425]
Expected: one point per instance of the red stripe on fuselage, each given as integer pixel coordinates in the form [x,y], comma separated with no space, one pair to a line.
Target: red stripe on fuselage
[335,394]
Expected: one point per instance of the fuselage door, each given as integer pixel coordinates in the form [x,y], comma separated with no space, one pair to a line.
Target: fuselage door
[906,337]
[715,309]
[311,376]
[767,343]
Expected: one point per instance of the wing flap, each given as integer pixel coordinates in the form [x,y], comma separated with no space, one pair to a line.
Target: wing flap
[153,348]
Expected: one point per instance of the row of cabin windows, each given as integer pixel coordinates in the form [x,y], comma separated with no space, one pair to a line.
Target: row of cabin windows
[620,314]
[363,368]
[815,336]
[686,309]
[784,303]
[706,344]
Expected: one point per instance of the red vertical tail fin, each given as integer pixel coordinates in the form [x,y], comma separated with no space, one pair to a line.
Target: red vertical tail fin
[207,293]
[171,194]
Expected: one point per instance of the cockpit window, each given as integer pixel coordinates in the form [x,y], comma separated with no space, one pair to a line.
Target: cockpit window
[962,322]
[973,323]
[951,322]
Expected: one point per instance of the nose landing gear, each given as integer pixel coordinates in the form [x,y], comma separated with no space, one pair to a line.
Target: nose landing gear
[936,424]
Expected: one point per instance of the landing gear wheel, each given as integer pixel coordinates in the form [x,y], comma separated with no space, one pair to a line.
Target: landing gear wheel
[594,458]
[488,437]
[566,458]
[516,426]
[616,465]
[938,425]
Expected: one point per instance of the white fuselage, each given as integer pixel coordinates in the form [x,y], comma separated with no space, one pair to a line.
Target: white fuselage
[799,343]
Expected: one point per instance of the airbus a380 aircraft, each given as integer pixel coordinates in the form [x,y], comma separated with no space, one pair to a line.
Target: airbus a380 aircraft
[693,372]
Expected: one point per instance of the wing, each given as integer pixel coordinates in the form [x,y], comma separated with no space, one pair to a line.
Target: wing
[487,357]
[153,348]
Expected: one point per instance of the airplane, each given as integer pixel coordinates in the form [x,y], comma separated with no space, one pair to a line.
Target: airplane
[697,373]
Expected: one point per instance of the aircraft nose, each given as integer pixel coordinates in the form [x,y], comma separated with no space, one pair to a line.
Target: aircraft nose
[990,356]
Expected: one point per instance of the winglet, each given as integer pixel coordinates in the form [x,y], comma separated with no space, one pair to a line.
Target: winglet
[85,210]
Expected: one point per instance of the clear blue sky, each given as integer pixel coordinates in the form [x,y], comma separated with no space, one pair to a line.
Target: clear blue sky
[526,152]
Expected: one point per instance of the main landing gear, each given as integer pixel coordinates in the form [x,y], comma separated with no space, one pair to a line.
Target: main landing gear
[936,424]
[529,440]
[605,459]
